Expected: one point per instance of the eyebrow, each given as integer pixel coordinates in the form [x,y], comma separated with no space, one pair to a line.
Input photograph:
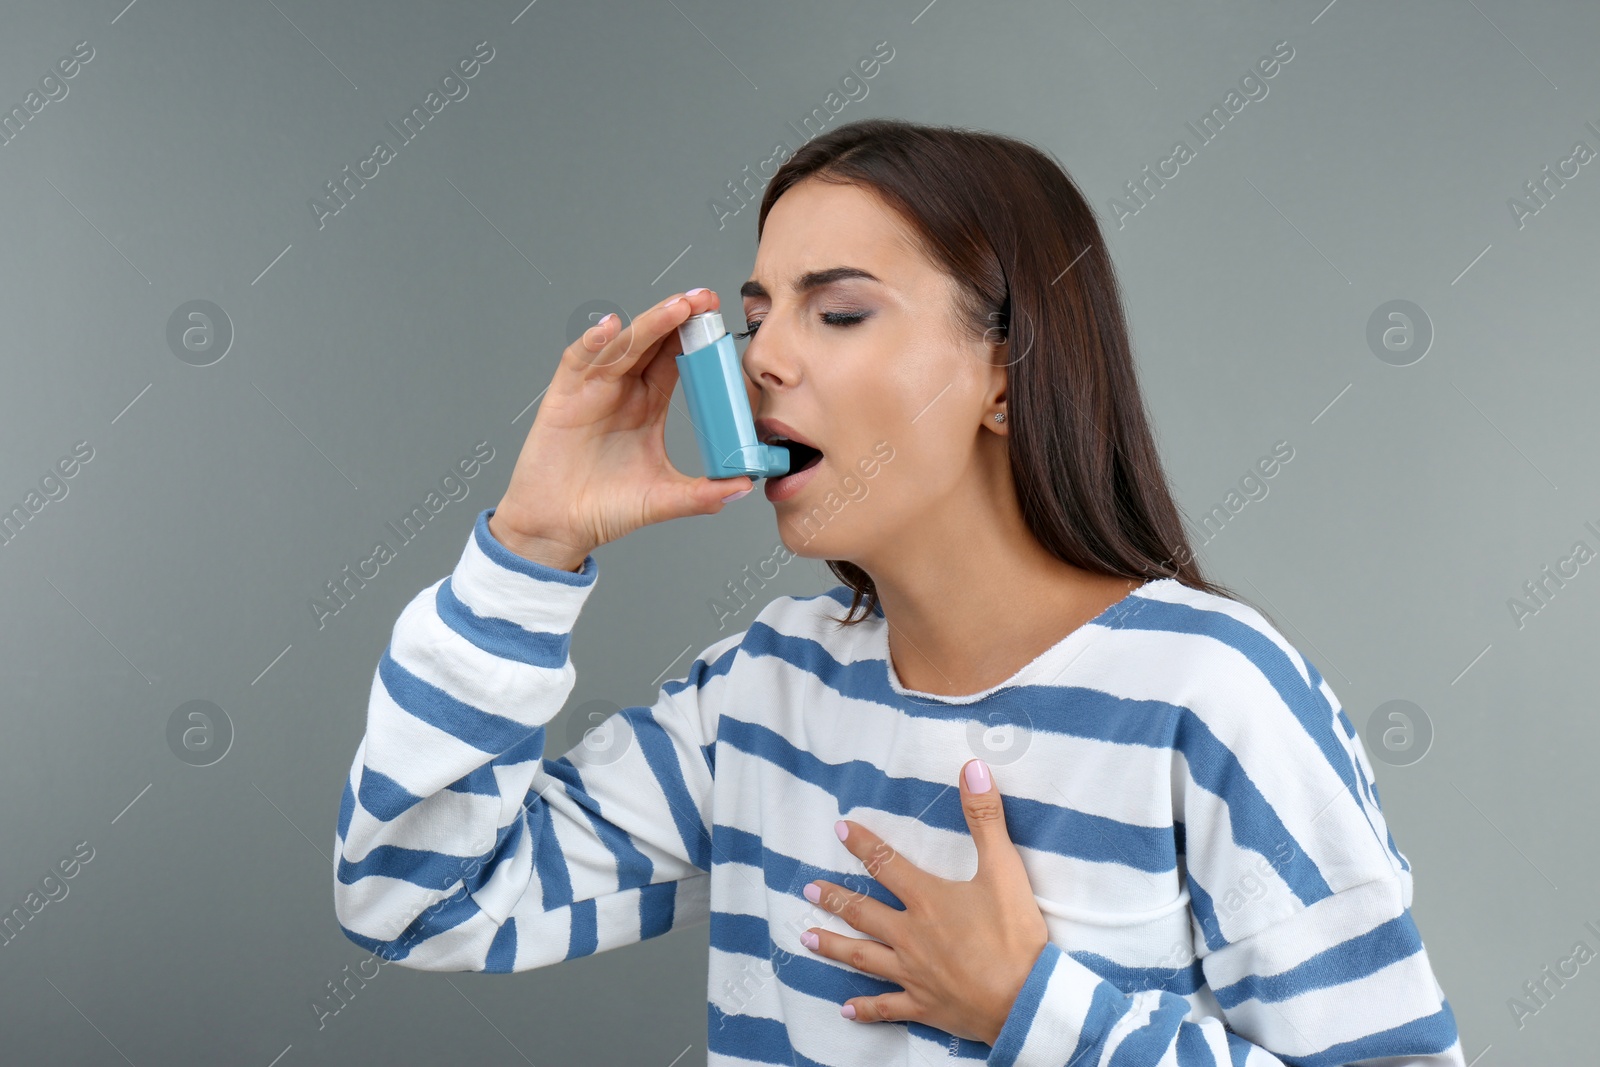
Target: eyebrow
[811,279]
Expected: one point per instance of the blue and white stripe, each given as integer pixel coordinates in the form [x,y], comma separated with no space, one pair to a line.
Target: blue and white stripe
[1196,813]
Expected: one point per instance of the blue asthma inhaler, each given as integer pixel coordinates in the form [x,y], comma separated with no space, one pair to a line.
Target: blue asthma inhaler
[719,407]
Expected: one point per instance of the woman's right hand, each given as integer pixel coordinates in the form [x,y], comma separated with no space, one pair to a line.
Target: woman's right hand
[594,466]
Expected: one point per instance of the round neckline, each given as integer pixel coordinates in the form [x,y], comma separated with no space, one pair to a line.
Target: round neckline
[1068,644]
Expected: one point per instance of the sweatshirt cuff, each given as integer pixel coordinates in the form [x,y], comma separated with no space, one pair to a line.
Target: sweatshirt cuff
[494,583]
[1062,1009]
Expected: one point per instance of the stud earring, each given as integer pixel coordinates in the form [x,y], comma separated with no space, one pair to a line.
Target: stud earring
[999,416]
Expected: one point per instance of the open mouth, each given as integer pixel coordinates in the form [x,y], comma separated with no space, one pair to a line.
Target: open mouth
[801,456]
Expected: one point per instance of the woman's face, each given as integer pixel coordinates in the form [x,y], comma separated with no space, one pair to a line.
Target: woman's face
[873,370]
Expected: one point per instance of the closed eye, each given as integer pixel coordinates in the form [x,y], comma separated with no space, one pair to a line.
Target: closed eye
[830,318]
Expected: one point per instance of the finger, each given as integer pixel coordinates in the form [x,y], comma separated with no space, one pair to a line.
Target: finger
[661,374]
[986,816]
[872,917]
[678,499]
[588,344]
[649,336]
[869,957]
[883,1008]
[892,870]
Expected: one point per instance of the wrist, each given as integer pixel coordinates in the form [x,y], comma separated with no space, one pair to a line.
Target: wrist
[1025,1007]
[548,551]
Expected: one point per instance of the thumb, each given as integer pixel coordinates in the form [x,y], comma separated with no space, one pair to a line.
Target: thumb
[686,496]
[716,491]
[986,817]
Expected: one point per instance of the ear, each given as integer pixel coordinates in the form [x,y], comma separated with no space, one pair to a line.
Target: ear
[996,398]
[993,352]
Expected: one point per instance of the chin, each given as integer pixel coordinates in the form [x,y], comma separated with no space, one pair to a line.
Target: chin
[816,533]
[803,545]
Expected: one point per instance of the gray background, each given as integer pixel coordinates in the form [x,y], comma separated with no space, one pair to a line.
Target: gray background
[372,354]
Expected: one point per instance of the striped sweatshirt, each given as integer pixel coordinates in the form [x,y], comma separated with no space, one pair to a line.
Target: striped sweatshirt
[1197,816]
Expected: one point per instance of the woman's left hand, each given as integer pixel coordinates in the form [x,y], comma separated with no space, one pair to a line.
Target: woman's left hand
[959,950]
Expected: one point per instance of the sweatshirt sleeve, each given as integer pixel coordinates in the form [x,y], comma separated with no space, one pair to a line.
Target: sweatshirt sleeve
[1299,903]
[460,847]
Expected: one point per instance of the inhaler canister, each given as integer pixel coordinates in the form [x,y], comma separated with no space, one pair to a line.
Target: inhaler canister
[719,407]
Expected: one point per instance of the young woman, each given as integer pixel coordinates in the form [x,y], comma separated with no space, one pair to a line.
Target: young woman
[1190,864]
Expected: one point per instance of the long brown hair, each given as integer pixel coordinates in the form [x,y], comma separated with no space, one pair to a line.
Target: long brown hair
[1009,225]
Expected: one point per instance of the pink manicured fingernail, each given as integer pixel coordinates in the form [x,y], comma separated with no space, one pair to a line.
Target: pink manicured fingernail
[841,829]
[810,940]
[812,893]
[736,496]
[978,776]
[847,1010]
[692,292]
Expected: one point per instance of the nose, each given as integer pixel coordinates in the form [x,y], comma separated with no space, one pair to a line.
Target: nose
[766,366]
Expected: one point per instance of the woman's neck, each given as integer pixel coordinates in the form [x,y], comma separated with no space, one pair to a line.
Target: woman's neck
[968,608]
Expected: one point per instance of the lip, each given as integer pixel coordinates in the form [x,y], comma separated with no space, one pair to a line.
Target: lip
[782,488]
[767,427]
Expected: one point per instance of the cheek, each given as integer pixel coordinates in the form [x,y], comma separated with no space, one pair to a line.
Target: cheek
[919,372]
[921,468]
[898,398]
